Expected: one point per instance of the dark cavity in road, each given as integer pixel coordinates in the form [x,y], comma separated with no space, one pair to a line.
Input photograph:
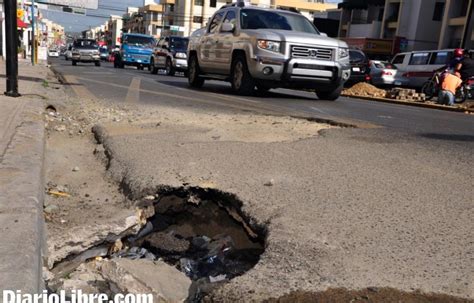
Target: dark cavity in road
[204,234]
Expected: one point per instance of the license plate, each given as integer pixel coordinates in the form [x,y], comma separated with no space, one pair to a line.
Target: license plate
[356,69]
[398,82]
[139,60]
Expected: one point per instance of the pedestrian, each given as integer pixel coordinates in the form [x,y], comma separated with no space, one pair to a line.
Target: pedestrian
[449,84]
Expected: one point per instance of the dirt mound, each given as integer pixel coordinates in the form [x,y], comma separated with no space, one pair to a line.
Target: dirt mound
[369,295]
[365,89]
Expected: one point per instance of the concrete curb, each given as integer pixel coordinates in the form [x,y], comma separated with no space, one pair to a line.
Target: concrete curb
[21,202]
[416,104]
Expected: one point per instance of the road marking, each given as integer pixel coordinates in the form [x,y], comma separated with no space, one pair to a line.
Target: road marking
[80,90]
[319,110]
[133,93]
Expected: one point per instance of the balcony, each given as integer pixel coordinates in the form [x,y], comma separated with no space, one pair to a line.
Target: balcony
[459,21]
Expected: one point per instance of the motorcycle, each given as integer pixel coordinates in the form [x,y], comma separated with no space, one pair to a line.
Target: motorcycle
[432,86]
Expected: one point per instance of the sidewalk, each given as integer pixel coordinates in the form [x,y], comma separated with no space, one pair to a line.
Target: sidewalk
[22,143]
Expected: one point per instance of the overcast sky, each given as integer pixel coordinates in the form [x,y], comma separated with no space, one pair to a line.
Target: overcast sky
[78,23]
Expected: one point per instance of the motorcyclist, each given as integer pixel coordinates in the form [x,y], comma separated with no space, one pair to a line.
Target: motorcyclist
[451,66]
[465,67]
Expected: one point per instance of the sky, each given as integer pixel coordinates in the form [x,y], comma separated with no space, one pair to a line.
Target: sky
[77,23]
[93,18]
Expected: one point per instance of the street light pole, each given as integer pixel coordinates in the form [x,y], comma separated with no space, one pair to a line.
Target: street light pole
[33,35]
[11,38]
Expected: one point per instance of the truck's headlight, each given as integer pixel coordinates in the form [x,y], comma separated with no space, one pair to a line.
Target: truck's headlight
[343,52]
[180,55]
[269,45]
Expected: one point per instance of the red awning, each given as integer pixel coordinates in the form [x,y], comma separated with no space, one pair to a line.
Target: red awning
[21,24]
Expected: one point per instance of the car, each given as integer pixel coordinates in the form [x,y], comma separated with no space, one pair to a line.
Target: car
[383,73]
[53,53]
[360,71]
[104,53]
[170,55]
[135,50]
[85,50]
[267,48]
[68,52]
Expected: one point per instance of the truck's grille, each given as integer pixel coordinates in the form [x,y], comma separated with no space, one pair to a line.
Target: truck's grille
[140,57]
[311,52]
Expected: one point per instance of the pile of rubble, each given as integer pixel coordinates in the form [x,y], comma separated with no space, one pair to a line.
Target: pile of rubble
[404,94]
[363,89]
[367,90]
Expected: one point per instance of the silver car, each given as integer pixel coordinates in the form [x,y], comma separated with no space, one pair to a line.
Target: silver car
[170,54]
[267,48]
[85,50]
[383,73]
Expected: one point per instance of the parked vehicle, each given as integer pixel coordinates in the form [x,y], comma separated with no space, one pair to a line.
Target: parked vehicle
[85,50]
[418,66]
[383,73]
[53,53]
[267,48]
[170,55]
[360,71]
[136,50]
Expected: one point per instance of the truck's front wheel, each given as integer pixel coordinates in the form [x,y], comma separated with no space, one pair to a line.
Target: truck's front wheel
[241,80]
[330,95]
[194,79]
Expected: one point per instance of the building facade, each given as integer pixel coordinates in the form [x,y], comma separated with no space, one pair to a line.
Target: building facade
[424,24]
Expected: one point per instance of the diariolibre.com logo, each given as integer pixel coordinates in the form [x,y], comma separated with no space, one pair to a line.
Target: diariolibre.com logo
[75,296]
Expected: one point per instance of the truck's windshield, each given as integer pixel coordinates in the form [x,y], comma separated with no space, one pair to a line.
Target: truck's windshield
[179,43]
[85,44]
[139,41]
[257,19]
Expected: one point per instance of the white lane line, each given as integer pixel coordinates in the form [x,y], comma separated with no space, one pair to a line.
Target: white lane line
[318,110]
[133,93]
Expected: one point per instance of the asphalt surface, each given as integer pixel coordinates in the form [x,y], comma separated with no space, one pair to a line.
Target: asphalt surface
[384,206]
[105,82]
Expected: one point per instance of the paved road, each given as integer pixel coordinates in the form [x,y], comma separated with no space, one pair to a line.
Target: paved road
[131,85]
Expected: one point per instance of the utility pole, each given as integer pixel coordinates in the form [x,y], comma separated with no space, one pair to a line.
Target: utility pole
[11,34]
[33,34]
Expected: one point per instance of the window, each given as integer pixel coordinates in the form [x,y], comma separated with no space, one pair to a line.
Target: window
[199,2]
[440,58]
[230,18]
[215,22]
[356,56]
[197,19]
[438,11]
[257,19]
[419,59]
[398,59]
[213,3]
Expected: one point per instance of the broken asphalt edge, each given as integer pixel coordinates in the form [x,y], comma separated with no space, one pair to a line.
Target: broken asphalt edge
[21,203]
[415,104]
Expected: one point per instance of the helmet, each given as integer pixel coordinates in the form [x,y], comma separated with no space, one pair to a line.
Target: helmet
[458,52]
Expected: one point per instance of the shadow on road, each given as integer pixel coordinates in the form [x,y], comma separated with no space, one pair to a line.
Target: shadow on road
[463,138]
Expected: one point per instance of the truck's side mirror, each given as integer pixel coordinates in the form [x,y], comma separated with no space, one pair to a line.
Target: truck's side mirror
[323,34]
[227,27]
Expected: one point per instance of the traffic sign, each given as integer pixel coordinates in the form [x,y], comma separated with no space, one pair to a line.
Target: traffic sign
[90,4]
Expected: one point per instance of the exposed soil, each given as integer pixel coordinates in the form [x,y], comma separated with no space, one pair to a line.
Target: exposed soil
[365,89]
[368,295]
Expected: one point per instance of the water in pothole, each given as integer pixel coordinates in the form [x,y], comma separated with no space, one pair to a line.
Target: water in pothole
[202,234]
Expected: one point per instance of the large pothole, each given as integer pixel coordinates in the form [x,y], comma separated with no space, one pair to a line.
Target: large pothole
[202,233]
